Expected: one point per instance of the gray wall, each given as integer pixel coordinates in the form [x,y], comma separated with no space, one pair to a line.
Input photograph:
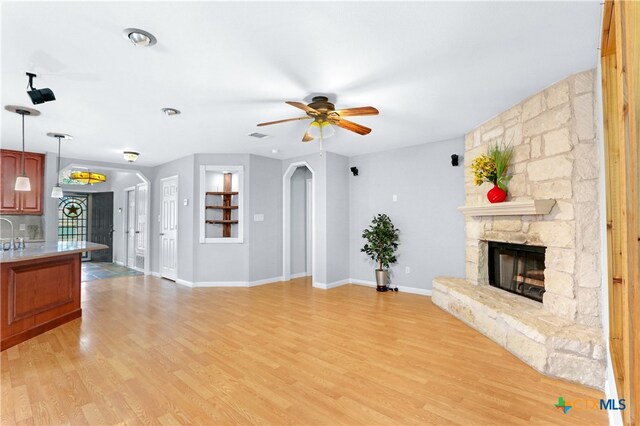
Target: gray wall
[428,190]
[299,220]
[337,217]
[265,238]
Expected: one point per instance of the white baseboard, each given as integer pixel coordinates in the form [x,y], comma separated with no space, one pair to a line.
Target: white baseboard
[299,275]
[330,285]
[155,274]
[412,290]
[221,284]
[265,281]
[185,283]
[117,262]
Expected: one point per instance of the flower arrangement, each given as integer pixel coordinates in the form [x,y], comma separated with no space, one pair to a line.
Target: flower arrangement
[492,167]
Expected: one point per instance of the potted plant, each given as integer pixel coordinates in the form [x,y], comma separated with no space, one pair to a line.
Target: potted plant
[492,167]
[381,246]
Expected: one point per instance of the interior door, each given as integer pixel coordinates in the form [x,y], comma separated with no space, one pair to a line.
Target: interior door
[169,229]
[131,229]
[101,230]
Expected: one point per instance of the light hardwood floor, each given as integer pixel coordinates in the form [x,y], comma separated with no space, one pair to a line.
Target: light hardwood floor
[148,351]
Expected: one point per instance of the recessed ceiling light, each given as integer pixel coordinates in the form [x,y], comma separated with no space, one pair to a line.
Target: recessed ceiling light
[258,135]
[139,37]
[274,151]
[170,111]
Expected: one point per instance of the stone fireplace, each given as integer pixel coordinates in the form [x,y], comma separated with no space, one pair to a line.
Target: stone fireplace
[552,209]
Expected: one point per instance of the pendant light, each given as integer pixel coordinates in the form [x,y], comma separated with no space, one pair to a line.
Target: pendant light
[56,192]
[22,182]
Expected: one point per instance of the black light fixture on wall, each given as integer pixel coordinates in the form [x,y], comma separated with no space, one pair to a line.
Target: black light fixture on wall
[39,96]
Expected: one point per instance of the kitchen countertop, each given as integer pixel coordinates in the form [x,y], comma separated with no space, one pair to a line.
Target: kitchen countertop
[43,250]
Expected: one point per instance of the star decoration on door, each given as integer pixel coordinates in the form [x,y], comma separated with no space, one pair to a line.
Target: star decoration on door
[72,210]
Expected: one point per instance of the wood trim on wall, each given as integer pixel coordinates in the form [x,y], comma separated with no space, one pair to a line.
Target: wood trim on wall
[621,102]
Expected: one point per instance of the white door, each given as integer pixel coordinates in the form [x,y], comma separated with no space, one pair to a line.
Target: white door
[131,228]
[169,229]
[141,220]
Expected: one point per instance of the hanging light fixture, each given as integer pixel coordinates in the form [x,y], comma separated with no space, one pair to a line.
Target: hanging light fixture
[88,178]
[321,129]
[131,156]
[22,182]
[56,192]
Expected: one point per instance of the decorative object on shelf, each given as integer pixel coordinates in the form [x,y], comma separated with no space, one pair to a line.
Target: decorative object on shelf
[496,194]
[22,182]
[382,242]
[492,167]
[88,178]
[56,192]
[130,156]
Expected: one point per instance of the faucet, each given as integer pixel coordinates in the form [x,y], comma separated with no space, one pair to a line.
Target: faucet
[12,236]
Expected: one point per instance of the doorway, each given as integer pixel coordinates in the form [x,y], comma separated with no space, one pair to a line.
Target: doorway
[101,224]
[134,226]
[299,226]
[169,228]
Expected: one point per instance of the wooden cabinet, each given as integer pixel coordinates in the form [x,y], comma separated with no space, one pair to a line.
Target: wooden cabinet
[17,202]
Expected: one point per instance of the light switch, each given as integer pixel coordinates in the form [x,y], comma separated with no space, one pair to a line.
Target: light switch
[185,202]
[258,218]
[23,227]
[394,198]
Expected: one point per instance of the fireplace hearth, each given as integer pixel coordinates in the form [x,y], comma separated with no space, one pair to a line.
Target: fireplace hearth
[517,268]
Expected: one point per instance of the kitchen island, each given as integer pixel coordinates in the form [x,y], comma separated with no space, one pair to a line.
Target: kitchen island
[40,288]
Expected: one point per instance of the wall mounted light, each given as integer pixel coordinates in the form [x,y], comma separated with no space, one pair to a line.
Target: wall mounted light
[131,156]
[22,182]
[56,191]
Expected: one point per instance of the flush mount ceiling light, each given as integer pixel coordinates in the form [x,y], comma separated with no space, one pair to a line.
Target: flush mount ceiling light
[88,178]
[139,37]
[39,96]
[22,182]
[170,111]
[56,191]
[131,156]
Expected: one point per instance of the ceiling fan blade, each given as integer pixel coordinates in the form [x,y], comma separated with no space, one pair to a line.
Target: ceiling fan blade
[350,112]
[307,137]
[350,125]
[304,107]
[284,121]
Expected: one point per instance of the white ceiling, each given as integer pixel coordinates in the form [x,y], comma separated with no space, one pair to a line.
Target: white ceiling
[434,70]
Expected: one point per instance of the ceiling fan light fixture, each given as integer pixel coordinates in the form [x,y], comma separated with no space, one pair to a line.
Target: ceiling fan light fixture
[321,130]
[139,37]
[130,156]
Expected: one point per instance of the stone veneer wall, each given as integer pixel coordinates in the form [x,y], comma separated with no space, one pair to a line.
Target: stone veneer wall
[555,157]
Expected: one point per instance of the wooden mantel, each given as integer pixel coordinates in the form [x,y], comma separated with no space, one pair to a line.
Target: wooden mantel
[510,208]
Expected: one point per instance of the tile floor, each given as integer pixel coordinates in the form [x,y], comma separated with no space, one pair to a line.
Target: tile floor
[100,270]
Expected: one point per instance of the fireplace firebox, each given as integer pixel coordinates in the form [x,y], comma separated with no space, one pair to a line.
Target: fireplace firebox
[517,268]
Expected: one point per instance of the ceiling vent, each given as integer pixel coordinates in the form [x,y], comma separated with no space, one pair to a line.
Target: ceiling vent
[258,135]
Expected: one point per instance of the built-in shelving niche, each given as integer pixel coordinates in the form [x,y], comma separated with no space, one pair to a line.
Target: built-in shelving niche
[221,200]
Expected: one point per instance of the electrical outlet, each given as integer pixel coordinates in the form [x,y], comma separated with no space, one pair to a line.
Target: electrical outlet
[407,270]
[258,218]
[394,198]
[23,227]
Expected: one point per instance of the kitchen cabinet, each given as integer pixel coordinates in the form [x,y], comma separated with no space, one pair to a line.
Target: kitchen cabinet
[18,202]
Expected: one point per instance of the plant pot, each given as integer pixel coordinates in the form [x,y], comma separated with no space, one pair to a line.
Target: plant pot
[496,194]
[382,280]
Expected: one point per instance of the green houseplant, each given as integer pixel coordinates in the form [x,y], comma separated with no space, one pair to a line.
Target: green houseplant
[381,245]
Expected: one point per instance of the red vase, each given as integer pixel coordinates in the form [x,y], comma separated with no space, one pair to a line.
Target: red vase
[496,194]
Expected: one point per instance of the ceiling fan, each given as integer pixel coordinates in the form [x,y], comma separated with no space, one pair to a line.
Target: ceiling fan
[324,114]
